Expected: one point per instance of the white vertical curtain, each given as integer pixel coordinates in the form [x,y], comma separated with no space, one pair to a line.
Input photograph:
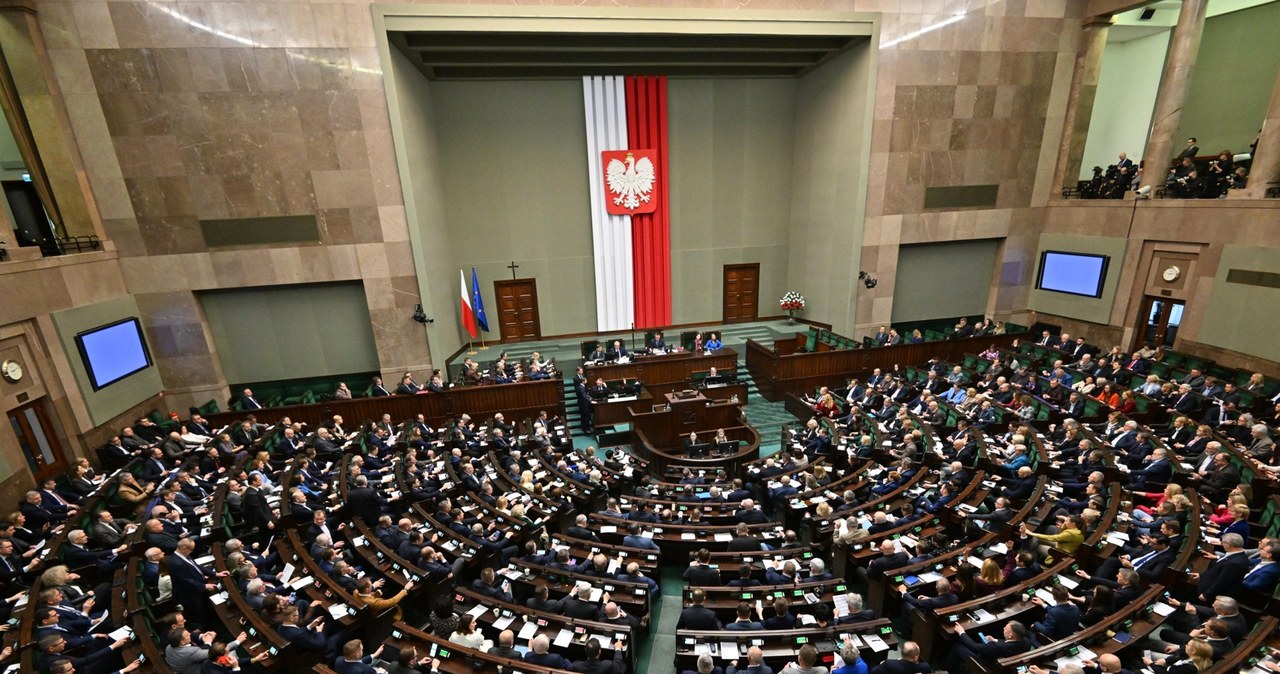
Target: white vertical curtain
[606,107]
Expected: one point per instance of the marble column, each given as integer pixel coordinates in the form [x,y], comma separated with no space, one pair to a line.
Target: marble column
[1084,86]
[1266,159]
[1184,45]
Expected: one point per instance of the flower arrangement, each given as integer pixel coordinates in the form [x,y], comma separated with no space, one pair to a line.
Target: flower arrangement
[792,301]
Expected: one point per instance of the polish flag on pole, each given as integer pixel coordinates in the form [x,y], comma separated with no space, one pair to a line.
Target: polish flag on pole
[468,316]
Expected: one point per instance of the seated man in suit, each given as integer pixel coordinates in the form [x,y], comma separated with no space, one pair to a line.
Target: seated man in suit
[1062,619]
[633,539]
[538,654]
[990,651]
[944,596]
[617,351]
[749,514]
[700,572]
[697,616]
[658,342]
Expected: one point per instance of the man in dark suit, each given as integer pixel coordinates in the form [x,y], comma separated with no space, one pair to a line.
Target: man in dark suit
[943,597]
[248,402]
[700,573]
[743,541]
[989,651]
[579,530]
[697,616]
[592,664]
[540,602]
[891,557]
[538,654]
[192,583]
[576,604]
[407,385]
[908,663]
[257,513]
[1224,477]
[1225,574]
[364,501]
[749,514]
[1062,619]
[77,555]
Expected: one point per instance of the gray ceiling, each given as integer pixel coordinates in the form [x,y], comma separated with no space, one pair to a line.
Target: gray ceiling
[469,56]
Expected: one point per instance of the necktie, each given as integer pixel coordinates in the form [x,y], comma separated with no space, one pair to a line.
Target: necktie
[7,564]
[57,498]
[1137,563]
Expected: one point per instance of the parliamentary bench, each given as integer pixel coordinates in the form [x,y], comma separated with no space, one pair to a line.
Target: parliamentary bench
[456,658]
[650,561]
[874,638]
[802,597]
[633,597]
[493,615]
[676,541]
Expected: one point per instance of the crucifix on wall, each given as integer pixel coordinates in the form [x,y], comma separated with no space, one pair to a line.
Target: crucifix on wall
[513,267]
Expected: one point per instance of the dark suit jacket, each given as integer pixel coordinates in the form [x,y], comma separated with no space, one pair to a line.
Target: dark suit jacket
[705,575]
[698,617]
[256,511]
[1223,576]
[302,638]
[364,502]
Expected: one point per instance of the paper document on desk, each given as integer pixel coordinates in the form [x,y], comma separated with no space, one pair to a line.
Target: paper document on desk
[204,561]
[1000,548]
[930,577]
[504,622]
[338,611]
[974,561]
[1067,582]
[1081,656]
[608,529]
[122,633]
[876,644]
[477,610]
[1045,596]
[301,582]
[530,628]
[218,599]
[723,538]
[688,537]
[564,638]
[806,619]
[595,594]
[729,650]
[983,615]
[1162,608]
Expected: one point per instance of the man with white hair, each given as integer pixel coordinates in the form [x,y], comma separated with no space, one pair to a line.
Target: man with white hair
[1262,446]
[818,570]
[578,605]
[755,663]
[749,514]
[705,665]
[538,655]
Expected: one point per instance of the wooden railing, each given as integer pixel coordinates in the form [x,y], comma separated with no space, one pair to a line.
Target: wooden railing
[776,375]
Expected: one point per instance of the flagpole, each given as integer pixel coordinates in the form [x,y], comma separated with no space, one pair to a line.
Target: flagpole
[471,347]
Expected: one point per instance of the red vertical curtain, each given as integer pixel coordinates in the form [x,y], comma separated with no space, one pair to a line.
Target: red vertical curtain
[651,232]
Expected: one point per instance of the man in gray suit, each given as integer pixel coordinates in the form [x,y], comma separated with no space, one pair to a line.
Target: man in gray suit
[187,657]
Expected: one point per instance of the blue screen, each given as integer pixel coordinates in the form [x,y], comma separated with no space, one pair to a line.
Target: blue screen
[113,352]
[1072,273]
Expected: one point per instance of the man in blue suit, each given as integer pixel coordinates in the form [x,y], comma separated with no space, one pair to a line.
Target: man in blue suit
[1262,576]
[633,539]
[1060,620]
[1158,470]
[309,639]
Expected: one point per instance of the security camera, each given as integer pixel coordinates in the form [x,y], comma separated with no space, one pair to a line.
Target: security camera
[420,316]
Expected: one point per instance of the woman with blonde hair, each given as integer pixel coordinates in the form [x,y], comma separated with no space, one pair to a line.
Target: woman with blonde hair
[1199,658]
[990,577]
[822,512]
[1144,513]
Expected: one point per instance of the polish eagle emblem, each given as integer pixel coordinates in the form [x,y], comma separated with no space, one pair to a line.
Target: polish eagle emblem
[630,180]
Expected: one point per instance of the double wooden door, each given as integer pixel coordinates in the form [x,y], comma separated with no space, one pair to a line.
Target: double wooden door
[518,309]
[741,292]
[1161,318]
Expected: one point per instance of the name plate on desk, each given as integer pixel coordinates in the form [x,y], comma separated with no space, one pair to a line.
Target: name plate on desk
[622,399]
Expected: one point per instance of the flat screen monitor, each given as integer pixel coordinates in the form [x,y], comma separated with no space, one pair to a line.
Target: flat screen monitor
[112,352]
[1072,273]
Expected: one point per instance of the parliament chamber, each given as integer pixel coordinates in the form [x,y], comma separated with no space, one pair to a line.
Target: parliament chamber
[1012,412]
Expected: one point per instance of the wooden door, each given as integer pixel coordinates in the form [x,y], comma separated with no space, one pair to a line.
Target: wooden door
[1159,322]
[39,440]
[741,292]
[518,309]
